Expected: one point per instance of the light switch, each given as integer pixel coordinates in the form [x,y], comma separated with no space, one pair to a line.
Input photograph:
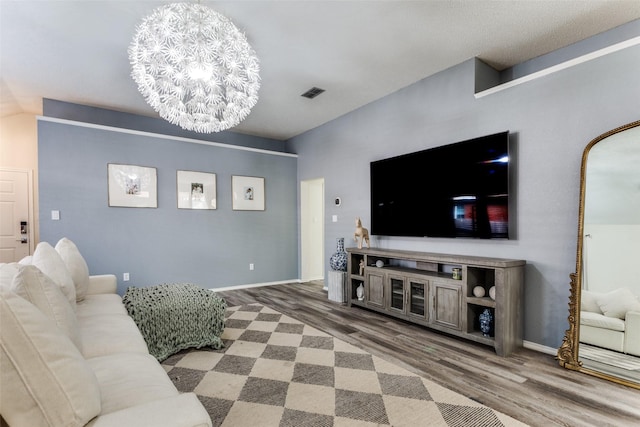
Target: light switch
[55,215]
[334,218]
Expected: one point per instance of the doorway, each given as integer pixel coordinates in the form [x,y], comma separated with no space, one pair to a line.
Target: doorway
[16,214]
[312,230]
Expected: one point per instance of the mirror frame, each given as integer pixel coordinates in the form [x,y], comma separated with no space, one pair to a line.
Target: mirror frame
[568,352]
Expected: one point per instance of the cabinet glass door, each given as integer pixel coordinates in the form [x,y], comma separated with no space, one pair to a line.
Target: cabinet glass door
[397,294]
[417,298]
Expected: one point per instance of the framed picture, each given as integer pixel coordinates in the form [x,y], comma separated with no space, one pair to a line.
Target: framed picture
[132,186]
[248,193]
[196,190]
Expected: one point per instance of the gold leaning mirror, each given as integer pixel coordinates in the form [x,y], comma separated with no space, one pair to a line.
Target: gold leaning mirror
[603,338]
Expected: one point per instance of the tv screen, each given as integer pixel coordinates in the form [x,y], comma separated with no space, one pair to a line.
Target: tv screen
[456,190]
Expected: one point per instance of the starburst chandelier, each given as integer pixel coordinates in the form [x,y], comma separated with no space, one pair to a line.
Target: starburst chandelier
[194,67]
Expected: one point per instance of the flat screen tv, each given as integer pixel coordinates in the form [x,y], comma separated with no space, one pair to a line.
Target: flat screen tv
[456,190]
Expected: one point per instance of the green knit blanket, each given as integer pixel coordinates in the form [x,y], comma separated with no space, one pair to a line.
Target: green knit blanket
[177,316]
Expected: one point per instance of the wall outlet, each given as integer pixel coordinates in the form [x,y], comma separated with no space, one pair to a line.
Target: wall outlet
[334,218]
[251,266]
[55,215]
[125,277]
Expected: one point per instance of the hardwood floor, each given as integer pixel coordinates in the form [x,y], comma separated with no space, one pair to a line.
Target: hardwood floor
[529,386]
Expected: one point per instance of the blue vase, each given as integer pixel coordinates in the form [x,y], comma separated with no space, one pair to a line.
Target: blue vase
[338,261]
[486,322]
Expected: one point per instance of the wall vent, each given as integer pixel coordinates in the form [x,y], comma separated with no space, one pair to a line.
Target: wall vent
[313,92]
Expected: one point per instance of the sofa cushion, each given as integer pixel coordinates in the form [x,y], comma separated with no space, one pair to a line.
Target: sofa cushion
[130,379]
[616,303]
[98,304]
[182,410]
[34,286]
[589,301]
[601,321]
[105,334]
[47,259]
[76,265]
[45,380]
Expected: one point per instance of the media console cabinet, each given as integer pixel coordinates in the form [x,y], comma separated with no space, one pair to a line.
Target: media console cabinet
[420,287]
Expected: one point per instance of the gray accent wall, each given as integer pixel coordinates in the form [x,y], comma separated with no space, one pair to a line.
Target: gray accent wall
[211,248]
[551,120]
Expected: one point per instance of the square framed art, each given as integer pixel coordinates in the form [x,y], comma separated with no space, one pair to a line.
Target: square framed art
[196,190]
[248,193]
[132,186]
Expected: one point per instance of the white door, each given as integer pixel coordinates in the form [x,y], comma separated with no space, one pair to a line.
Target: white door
[15,224]
[312,229]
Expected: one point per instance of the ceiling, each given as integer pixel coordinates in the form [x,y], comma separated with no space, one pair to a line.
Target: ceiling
[358,51]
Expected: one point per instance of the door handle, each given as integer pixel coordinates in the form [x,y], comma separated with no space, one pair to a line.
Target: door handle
[23,232]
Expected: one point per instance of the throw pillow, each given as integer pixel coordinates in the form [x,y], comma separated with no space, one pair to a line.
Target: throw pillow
[589,301]
[34,286]
[47,259]
[7,273]
[26,260]
[617,303]
[45,380]
[76,265]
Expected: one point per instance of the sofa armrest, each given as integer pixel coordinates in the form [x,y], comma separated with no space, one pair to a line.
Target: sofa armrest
[632,333]
[184,410]
[102,284]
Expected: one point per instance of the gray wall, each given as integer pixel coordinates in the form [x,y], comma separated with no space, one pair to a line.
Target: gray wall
[212,248]
[101,116]
[551,120]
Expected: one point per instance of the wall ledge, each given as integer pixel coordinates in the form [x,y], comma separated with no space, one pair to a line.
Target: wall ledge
[559,67]
[161,136]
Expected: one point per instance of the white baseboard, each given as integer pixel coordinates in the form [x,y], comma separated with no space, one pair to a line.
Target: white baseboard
[539,347]
[253,285]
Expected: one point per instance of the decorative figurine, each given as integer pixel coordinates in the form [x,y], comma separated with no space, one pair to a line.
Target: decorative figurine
[486,322]
[478,291]
[360,292]
[362,267]
[361,233]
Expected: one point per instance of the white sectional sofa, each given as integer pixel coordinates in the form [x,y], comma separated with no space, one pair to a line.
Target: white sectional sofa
[611,320]
[71,356]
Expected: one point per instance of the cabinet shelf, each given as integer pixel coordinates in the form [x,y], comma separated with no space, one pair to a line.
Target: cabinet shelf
[416,271]
[477,336]
[419,287]
[484,301]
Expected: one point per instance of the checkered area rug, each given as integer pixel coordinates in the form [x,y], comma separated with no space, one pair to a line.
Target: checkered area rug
[277,371]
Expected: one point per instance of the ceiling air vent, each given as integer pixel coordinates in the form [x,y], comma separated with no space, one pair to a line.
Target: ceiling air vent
[313,92]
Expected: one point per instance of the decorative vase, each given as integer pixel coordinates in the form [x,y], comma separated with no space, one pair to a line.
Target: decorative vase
[492,292]
[338,261]
[360,292]
[478,291]
[486,322]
